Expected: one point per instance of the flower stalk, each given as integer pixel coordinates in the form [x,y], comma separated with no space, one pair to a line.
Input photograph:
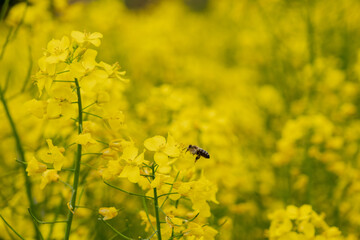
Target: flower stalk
[21,157]
[77,165]
[156,205]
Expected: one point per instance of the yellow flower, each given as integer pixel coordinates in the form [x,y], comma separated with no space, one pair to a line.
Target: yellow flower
[109,154]
[173,221]
[102,97]
[35,167]
[45,76]
[49,176]
[199,193]
[162,149]
[57,50]
[119,144]
[85,66]
[145,221]
[84,139]
[133,164]
[113,71]
[108,212]
[307,228]
[54,155]
[194,229]
[82,38]
[37,108]
[53,109]
[115,119]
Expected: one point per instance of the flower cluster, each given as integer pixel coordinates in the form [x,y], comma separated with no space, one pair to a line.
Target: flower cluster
[295,223]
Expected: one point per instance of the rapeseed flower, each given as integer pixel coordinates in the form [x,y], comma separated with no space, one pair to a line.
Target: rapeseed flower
[133,163]
[49,176]
[163,149]
[54,155]
[108,212]
[34,167]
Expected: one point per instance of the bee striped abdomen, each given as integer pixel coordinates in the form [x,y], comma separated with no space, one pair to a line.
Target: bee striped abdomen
[199,152]
[203,153]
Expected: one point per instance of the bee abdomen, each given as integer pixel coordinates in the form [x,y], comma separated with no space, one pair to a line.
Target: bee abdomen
[204,153]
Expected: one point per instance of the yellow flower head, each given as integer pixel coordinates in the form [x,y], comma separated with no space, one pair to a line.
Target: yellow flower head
[108,212]
[145,221]
[45,76]
[133,164]
[84,37]
[109,154]
[57,50]
[35,167]
[119,144]
[54,155]
[84,139]
[37,108]
[49,176]
[113,71]
[162,148]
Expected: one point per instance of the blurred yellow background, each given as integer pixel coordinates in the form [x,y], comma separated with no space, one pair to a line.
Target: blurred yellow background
[270,88]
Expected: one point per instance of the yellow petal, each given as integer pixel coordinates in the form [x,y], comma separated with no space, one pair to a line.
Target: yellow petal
[78,36]
[53,109]
[161,158]
[139,159]
[131,172]
[65,42]
[130,153]
[108,213]
[155,143]
[88,61]
[84,139]
[172,151]
[95,35]
[58,165]
[95,42]
[35,107]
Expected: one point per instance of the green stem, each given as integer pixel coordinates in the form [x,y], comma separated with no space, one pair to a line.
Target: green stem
[43,222]
[21,157]
[4,9]
[116,231]
[77,166]
[130,193]
[57,213]
[7,40]
[28,75]
[91,114]
[156,205]
[147,214]
[7,224]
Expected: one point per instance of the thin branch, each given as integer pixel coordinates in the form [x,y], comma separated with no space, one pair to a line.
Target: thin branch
[7,40]
[77,165]
[12,229]
[28,75]
[116,231]
[65,71]
[167,194]
[89,105]
[91,114]
[172,185]
[7,80]
[44,222]
[91,154]
[130,193]
[21,156]
[147,214]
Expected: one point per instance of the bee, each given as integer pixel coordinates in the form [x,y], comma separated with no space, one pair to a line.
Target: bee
[199,152]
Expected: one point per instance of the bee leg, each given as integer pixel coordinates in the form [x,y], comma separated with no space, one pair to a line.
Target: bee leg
[197,158]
